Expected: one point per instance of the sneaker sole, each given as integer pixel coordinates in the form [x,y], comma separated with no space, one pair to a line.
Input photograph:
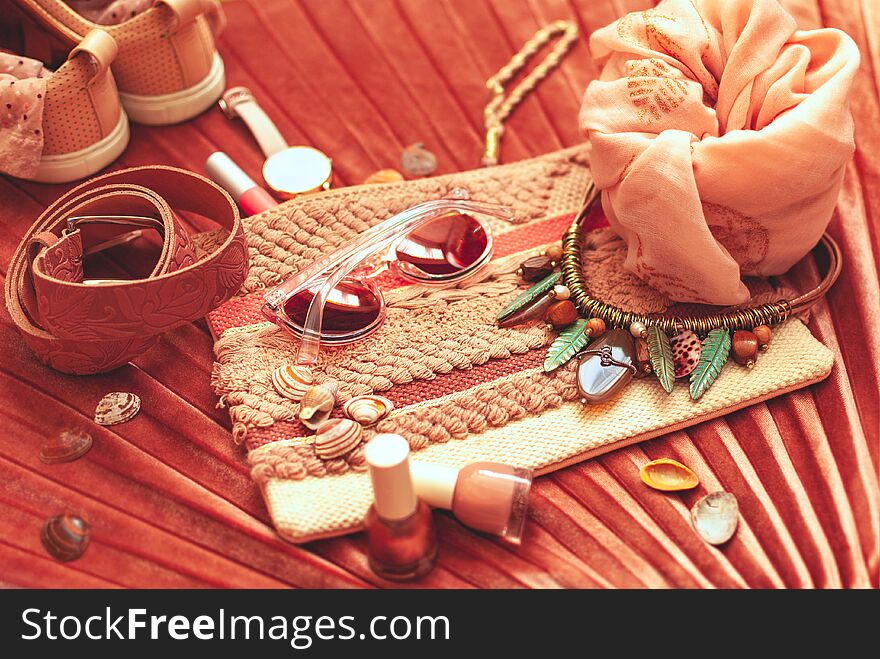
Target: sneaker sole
[66,167]
[178,106]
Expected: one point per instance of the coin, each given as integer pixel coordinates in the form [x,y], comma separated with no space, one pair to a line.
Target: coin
[417,160]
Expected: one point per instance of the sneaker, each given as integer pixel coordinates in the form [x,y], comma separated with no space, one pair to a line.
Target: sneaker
[64,125]
[168,69]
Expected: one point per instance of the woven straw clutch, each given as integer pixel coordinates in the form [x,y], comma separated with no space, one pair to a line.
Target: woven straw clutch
[463,389]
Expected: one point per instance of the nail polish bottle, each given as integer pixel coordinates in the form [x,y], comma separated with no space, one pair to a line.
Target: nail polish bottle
[249,196]
[400,530]
[487,496]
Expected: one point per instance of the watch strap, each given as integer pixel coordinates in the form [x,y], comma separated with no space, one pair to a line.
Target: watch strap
[240,102]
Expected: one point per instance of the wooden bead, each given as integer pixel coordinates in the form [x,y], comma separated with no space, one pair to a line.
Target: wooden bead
[643,357]
[596,327]
[535,268]
[561,313]
[744,348]
[553,252]
[764,335]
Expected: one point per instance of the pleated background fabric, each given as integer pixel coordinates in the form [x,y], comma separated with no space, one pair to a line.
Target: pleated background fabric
[169,496]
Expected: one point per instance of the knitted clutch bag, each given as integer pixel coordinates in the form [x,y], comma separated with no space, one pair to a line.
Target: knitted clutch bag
[462,388]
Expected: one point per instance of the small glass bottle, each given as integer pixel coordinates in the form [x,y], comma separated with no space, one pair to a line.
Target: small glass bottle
[487,496]
[401,541]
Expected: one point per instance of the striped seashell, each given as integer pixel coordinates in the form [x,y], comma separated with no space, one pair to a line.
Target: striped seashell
[337,437]
[292,381]
[117,407]
[317,404]
[65,537]
[367,409]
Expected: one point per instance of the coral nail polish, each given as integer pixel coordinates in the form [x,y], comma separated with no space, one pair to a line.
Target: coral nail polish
[401,540]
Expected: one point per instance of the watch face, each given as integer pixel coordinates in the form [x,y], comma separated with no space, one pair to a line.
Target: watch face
[296,170]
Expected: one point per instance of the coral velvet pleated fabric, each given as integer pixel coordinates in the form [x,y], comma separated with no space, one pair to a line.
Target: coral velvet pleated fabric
[169,495]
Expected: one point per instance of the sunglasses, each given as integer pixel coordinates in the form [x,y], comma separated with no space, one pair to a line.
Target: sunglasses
[335,301]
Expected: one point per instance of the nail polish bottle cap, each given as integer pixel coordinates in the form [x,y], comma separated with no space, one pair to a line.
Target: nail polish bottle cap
[435,484]
[388,459]
[229,176]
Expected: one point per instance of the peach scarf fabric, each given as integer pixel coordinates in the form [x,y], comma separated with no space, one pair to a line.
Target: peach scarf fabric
[720,134]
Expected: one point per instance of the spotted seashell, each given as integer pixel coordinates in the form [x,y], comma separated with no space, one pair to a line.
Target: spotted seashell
[317,404]
[66,446]
[686,349]
[367,409]
[65,537]
[292,381]
[337,437]
[117,407]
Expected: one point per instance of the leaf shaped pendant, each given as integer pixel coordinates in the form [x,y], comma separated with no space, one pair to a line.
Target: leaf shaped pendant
[716,347]
[528,295]
[660,351]
[567,344]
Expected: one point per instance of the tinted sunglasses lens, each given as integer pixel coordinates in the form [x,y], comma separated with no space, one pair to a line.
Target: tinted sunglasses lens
[443,248]
[353,310]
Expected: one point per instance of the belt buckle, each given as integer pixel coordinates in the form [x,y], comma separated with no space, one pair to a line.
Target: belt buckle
[141,222]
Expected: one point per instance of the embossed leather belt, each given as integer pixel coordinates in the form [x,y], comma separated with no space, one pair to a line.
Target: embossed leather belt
[91,326]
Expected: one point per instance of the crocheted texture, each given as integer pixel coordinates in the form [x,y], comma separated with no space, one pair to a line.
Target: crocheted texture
[455,324]
[450,372]
[470,412]
[287,238]
[304,506]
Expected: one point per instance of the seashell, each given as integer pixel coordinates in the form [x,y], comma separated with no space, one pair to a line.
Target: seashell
[715,517]
[384,176]
[66,446]
[317,404]
[65,537]
[367,410]
[292,381]
[337,437]
[686,350]
[668,475]
[416,160]
[606,367]
[117,407]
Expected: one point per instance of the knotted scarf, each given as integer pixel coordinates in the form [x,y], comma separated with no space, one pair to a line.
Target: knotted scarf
[720,134]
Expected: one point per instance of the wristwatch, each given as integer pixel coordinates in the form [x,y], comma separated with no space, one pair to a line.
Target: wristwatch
[289,171]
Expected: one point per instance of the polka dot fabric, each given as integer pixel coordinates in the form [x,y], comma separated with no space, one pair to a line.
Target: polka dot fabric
[22,98]
[112,12]
[155,55]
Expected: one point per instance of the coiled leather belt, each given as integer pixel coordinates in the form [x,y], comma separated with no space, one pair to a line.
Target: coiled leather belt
[82,327]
